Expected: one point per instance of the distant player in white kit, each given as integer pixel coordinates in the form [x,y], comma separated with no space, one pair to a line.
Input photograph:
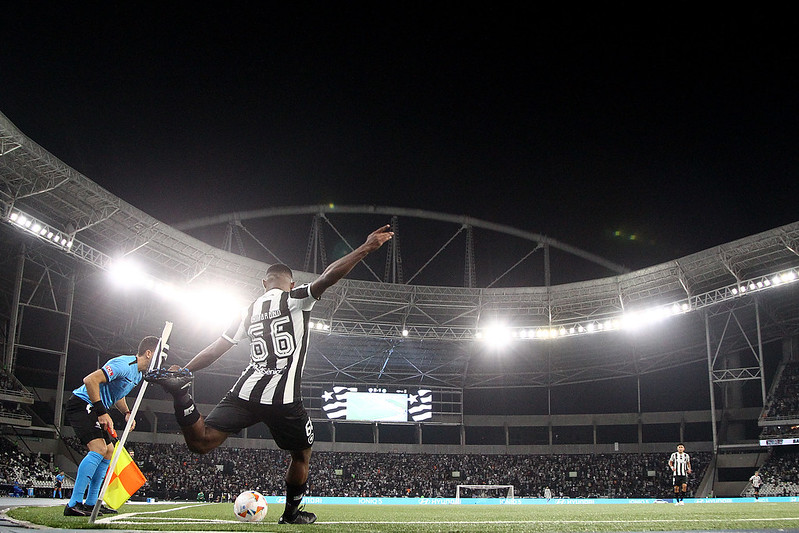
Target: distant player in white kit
[680,464]
[756,482]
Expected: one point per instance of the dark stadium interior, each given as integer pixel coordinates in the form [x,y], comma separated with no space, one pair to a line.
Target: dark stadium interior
[551,179]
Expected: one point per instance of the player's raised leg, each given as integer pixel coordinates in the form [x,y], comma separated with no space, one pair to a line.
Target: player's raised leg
[199,437]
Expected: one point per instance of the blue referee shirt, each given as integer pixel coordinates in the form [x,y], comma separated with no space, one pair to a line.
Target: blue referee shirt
[122,374]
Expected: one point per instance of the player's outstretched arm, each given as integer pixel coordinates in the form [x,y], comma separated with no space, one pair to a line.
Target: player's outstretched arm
[207,356]
[341,267]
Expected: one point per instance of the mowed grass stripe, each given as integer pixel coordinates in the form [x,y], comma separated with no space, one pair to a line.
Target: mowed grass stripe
[402,519]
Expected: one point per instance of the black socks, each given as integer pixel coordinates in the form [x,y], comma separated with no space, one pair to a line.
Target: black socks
[185,411]
[294,495]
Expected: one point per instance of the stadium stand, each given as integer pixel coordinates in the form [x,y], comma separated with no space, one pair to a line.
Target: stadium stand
[780,417]
[780,474]
[784,400]
[27,471]
[175,473]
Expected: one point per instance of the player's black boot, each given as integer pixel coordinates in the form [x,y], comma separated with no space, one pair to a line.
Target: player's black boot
[301,517]
[172,381]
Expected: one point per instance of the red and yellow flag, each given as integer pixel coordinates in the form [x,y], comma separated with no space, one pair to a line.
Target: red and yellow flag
[125,481]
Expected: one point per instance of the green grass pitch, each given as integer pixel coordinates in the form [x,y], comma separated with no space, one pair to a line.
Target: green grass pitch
[466,518]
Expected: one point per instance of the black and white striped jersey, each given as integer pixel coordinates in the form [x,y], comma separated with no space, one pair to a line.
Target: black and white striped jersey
[277,326]
[681,462]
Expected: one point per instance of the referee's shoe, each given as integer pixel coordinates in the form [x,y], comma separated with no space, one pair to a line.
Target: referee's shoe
[171,380]
[76,510]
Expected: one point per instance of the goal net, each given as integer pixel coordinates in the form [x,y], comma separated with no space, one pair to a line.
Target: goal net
[483,491]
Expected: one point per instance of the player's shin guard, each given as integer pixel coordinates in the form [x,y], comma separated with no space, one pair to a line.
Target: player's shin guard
[186,411]
[294,495]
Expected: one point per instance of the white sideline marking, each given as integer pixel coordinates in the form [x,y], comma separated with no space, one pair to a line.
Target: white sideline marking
[665,520]
[186,521]
[114,518]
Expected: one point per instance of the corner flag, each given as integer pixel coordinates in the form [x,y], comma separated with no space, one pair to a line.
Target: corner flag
[125,481]
[119,463]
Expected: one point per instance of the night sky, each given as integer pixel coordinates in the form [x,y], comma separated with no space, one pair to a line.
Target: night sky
[672,125]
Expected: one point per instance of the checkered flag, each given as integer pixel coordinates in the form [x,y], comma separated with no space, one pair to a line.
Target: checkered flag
[420,405]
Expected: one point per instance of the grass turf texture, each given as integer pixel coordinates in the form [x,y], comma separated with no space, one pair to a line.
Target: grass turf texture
[471,518]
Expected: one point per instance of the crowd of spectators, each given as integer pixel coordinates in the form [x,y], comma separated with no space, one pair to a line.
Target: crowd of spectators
[13,411]
[780,473]
[783,402]
[29,473]
[175,473]
[7,383]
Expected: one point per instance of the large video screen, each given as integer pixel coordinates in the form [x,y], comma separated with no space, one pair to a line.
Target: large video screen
[378,405]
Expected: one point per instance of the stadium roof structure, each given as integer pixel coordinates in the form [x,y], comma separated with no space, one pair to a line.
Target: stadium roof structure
[721,300]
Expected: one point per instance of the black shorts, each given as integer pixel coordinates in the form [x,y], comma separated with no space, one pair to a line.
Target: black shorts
[289,424]
[680,480]
[84,422]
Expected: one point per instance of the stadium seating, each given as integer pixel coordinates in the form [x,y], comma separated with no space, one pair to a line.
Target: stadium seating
[175,473]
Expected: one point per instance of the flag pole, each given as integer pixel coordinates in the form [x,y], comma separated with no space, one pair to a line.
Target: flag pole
[161,352]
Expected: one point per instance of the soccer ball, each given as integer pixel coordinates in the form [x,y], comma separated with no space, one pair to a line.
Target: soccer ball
[250,506]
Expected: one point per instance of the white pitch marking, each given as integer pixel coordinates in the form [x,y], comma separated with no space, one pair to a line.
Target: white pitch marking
[115,518]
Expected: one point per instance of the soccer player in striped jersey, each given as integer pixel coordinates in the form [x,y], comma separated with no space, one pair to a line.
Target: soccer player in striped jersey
[268,390]
[680,464]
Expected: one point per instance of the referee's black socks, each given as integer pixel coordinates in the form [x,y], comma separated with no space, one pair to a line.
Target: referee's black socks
[185,411]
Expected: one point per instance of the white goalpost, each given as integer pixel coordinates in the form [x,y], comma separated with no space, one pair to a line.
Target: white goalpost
[483,491]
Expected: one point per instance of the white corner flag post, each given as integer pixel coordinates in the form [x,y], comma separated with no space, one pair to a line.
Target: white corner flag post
[161,353]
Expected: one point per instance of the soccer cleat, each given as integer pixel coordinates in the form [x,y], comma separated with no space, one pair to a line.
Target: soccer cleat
[102,511]
[302,517]
[77,510]
[171,381]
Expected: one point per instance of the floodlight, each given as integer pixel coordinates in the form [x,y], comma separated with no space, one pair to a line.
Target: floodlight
[211,304]
[126,273]
[497,334]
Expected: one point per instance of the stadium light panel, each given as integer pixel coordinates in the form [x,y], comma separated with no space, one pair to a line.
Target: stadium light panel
[40,229]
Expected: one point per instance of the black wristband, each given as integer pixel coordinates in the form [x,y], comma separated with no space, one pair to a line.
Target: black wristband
[98,409]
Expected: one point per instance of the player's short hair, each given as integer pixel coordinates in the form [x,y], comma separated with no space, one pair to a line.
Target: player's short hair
[681,444]
[148,343]
[279,270]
